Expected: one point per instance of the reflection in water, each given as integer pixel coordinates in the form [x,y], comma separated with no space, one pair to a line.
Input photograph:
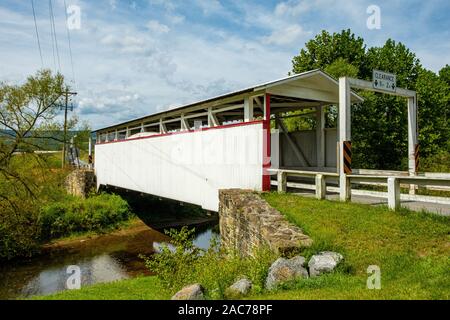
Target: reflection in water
[103,259]
[202,240]
[98,269]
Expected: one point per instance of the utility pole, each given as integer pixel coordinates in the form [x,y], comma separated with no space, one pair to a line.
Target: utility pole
[66,94]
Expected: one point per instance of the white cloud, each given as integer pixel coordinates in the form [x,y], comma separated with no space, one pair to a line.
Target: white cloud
[113,4]
[292,8]
[124,71]
[156,26]
[176,18]
[290,35]
[210,6]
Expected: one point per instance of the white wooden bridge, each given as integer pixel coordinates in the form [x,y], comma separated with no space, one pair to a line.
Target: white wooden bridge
[189,153]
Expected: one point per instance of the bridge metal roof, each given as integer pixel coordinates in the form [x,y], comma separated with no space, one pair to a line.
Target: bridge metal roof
[327,81]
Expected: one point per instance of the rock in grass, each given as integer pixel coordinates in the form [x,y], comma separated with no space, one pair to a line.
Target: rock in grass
[192,292]
[283,270]
[238,289]
[323,262]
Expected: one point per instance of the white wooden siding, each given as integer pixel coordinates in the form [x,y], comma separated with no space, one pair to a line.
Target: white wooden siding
[189,167]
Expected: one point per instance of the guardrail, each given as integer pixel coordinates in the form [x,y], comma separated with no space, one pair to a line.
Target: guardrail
[393,184]
[320,179]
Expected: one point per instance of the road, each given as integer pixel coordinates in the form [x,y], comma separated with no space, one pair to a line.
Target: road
[441,209]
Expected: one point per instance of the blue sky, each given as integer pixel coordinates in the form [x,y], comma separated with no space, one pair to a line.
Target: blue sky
[133,58]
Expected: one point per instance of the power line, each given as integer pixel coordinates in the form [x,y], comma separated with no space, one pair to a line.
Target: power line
[52,20]
[51,36]
[37,34]
[70,45]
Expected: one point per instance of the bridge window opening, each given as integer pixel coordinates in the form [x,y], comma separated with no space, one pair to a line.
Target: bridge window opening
[121,135]
[111,136]
[134,131]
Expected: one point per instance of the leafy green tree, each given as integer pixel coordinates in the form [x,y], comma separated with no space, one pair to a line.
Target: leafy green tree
[341,68]
[24,109]
[379,124]
[326,48]
[434,128]
[444,74]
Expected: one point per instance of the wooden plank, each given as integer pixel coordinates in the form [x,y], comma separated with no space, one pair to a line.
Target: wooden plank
[297,150]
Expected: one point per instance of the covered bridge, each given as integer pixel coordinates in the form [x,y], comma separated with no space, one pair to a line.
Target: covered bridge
[190,152]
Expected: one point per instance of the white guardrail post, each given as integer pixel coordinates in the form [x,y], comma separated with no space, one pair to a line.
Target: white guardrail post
[321,187]
[282,181]
[393,193]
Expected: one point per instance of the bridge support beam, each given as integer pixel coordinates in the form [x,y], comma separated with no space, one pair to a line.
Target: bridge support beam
[248,109]
[413,149]
[320,136]
[344,135]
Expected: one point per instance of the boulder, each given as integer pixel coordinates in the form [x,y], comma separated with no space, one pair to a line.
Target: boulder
[323,262]
[192,292]
[283,270]
[238,289]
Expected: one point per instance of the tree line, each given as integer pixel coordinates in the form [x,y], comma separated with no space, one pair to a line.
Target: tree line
[379,124]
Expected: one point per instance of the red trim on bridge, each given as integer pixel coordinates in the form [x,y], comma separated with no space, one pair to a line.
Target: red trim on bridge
[266,146]
[225,126]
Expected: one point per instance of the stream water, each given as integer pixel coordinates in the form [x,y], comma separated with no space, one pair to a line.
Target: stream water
[104,258]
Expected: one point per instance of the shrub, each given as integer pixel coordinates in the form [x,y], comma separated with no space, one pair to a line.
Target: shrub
[215,269]
[97,213]
[439,162]
[19,231]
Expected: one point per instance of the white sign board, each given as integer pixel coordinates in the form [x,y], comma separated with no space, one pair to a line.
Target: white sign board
[384,81]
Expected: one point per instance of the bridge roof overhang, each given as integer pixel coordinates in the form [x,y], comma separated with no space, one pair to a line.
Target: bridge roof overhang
[307,89]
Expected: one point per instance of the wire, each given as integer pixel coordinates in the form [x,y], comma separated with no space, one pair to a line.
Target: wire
[37,34]
[52,20]
[51,36]
[70,45]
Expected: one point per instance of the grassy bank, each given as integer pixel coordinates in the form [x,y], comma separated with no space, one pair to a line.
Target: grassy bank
[142,288]
[411,249]
[73,215]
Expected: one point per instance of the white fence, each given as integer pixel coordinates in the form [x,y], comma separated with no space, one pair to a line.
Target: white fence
[393,182]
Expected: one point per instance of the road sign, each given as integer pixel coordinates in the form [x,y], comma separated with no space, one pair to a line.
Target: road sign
[384,81]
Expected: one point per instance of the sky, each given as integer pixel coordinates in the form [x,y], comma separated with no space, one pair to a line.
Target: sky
[134,58]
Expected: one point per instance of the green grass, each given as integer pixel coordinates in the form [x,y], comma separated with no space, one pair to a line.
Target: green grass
[142,288]
[412,249]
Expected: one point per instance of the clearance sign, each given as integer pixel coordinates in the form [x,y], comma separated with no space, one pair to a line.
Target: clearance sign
[384,81]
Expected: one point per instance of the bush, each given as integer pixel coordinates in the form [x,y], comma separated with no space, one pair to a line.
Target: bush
[97,213]
[19,232]
[216,269]
[440,162]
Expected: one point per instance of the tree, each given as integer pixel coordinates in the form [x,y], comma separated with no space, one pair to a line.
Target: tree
[444,74]
[434,133]
[325,49]
[24,111]
[379,124]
